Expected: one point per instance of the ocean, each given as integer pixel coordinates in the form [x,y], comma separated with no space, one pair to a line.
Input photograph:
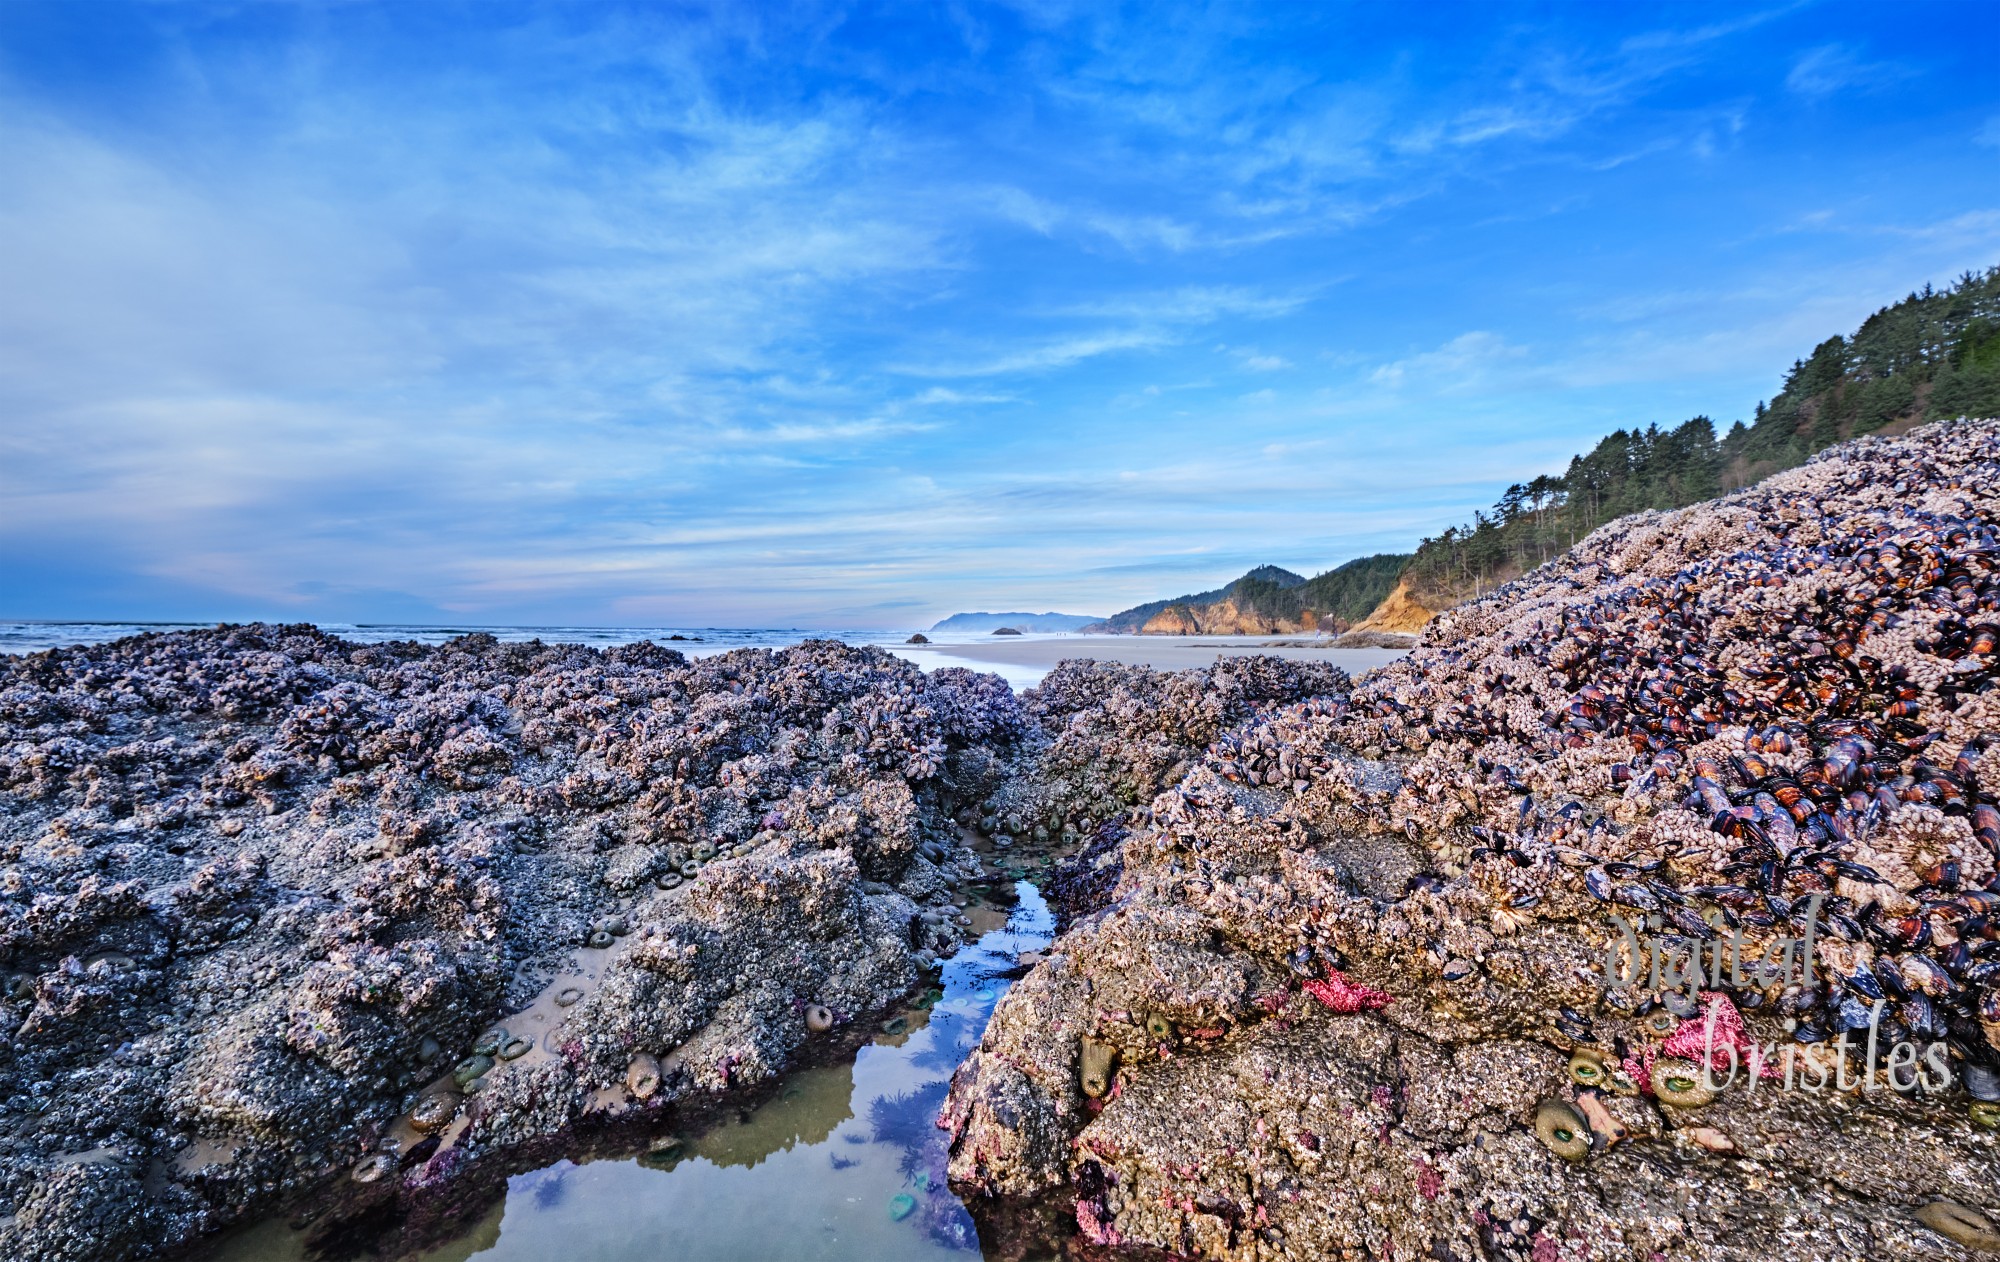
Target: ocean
[30,636]
[35,636]
[1020,660]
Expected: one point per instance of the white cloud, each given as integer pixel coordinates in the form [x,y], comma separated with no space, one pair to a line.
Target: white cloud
[395,351]
[807,433]
[499,339]
[1681,39]
[1135,233]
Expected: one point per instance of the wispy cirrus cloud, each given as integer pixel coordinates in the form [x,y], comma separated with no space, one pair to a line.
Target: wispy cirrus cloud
[1831,68]
[1462,363]
[1196,304]
[943,395]
[1709,32]
[1042,357]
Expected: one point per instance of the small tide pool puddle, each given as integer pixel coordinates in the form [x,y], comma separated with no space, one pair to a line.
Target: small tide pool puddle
[844,1162]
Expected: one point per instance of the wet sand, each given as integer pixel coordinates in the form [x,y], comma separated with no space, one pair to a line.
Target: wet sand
[1023,662]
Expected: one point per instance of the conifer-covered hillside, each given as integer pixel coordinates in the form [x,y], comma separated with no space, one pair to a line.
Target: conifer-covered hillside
[1934,354]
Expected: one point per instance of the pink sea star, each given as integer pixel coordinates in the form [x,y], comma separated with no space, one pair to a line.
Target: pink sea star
[1341,995]
[1718,1035]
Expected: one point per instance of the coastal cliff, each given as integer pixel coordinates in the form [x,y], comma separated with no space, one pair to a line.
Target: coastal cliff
[1225,617]
[1399,611]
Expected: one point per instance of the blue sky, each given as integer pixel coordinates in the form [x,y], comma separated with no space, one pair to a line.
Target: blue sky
[854,316]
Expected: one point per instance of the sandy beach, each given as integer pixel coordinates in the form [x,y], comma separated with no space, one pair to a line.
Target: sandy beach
[1023,662]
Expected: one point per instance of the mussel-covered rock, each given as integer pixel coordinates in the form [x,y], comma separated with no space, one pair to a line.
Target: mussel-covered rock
[1715,786]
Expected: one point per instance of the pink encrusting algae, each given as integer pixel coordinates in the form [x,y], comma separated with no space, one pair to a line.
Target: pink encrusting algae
[1096,1228]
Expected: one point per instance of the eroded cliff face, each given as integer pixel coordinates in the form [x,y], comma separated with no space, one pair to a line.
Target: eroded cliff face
[1399,611]
[1224,617]
[1345,996]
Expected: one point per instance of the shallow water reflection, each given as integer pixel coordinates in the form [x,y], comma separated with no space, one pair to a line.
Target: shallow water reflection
[845,1162]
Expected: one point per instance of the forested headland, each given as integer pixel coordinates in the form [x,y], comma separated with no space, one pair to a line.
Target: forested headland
[1935,354]
[1336,599]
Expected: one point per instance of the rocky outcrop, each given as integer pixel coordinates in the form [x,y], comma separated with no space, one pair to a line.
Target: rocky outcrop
[281,914]
[1374,640]
[1346,994]
[286,920]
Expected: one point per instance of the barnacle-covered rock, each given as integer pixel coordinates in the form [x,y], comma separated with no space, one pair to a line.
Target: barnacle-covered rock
[262,889]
